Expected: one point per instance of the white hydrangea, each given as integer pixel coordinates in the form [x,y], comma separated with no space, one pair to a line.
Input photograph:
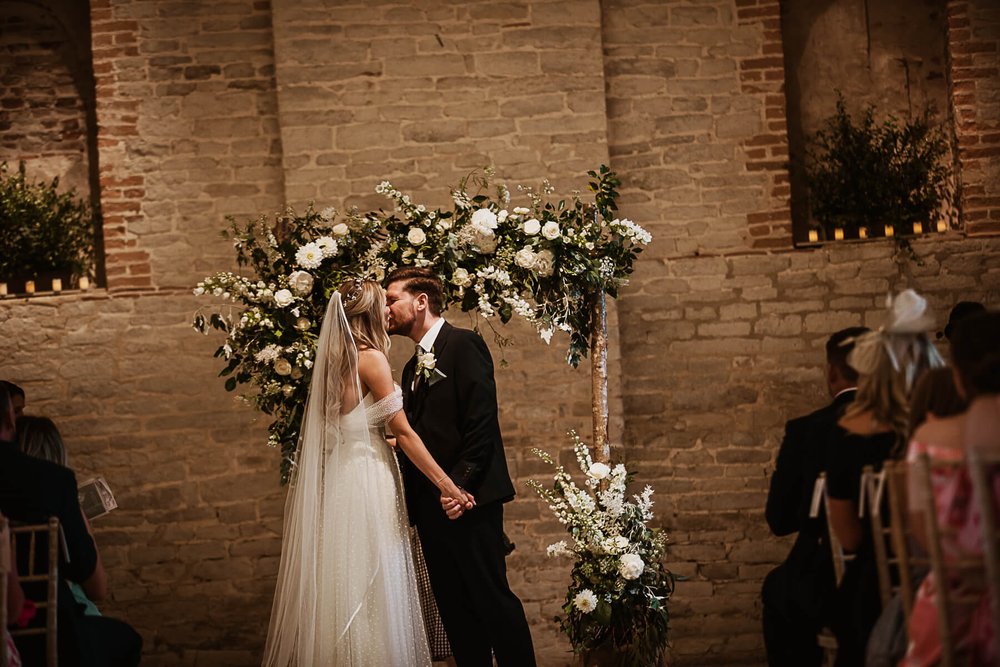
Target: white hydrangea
[631,566]
[267,354]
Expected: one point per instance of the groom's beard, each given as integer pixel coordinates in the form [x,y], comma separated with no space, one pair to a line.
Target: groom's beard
[397,328]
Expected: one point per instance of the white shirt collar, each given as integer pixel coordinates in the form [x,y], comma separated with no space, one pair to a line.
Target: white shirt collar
[427,342]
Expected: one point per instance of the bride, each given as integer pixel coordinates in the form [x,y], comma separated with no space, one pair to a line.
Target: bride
[346,593]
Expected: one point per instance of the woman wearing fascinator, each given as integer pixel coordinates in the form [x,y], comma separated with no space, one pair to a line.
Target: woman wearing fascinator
[347,593]
[873,429]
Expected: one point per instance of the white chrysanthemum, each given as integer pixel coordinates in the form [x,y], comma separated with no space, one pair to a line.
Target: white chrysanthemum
[550,230]
[631,566]
[283,298]
[327,246]
[585,601]
[532,226]
[328,213]
[416,236]
[309,256]
[599,470]
[484,221]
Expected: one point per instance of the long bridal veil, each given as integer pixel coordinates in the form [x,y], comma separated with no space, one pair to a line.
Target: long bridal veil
[328,560]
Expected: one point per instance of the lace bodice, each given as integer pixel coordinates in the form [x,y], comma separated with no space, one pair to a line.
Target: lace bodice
[381,411]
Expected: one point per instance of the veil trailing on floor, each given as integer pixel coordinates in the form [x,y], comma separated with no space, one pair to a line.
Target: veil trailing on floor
[329,558]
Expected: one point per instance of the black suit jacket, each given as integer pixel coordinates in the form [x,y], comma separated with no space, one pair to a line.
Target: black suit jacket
[801,458]
[456,417]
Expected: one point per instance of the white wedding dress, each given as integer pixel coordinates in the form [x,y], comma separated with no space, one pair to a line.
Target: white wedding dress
[346,594]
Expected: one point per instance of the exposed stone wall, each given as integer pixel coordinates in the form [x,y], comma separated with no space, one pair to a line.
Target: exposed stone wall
[43,119]
[235,107]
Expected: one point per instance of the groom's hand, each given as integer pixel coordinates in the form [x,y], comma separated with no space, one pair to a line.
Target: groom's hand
[454,508]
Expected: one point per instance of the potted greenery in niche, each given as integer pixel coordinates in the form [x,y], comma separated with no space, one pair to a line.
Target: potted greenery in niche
[44,234]
[869,179]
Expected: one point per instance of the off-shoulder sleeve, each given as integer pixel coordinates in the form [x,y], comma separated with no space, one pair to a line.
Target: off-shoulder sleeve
[385,408]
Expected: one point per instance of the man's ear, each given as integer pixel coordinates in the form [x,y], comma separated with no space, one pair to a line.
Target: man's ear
[421,301]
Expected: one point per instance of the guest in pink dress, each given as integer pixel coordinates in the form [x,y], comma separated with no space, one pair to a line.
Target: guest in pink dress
[977,377]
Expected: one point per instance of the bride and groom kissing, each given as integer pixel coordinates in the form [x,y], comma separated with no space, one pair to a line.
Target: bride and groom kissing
[346,592]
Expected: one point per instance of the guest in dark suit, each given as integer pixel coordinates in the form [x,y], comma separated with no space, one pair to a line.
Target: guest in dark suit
[31,491]
[449,395]
[795,592]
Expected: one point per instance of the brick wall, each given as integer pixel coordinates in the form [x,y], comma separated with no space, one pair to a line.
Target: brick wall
[236,107]
[974,46]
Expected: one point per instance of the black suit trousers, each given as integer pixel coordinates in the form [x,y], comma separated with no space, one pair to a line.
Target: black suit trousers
[468,573]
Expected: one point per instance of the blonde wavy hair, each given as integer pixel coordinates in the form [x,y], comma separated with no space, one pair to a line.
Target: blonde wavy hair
[364,306]
[39,437]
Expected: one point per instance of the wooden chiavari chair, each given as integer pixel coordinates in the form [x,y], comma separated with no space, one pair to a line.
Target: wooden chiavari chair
[32,573]
[5,568]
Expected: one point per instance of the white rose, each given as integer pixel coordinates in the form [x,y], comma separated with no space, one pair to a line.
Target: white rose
[599,470]
[282,367]
[501,216]
[631,566]
[520,210]
[416,236]
[426,360]
[550,230]
[461,278]
[585,601]
[525,257]
[545,263]
[198,291]
[283,298]
[301,282]
[302,324]
[484,219]
[532,226]
[340,229]
[288,390]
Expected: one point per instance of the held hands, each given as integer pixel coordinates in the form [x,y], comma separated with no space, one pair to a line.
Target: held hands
[455,500]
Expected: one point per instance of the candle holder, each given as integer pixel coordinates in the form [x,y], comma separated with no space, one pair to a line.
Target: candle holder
[889,231]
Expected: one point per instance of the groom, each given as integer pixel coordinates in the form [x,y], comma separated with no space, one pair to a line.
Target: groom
[449,396]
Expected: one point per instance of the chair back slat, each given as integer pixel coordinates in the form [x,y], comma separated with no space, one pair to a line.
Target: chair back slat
[984,467]
[5,569]
[33,573]
[895,478]
[872,485]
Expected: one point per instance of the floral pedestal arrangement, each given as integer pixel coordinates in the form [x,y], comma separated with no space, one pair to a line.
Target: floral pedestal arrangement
[616,607]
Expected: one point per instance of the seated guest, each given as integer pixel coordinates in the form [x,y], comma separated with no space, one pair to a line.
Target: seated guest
[39,437]
[16,397]
[959,312]
[32,490]
[935,396]
[977,371]
[873,429]
[795,592]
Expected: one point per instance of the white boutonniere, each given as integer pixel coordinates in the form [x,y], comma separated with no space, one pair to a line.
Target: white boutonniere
[426,368]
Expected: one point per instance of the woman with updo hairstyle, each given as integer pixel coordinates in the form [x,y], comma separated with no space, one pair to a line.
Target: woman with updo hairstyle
[974,347]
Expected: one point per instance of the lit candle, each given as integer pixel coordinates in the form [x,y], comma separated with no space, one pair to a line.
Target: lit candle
[29,287]
[838,234]
[3,289]
[57,284]
[942,226]
[813,236]
[918,228]
[84,282]
[889,231]
[862,232]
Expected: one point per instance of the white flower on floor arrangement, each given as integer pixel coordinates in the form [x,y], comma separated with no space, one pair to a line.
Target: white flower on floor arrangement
[617,601]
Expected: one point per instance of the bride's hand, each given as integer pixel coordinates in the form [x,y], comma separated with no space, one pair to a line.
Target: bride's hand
[455,500]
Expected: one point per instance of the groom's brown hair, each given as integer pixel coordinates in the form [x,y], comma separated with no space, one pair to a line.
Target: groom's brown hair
[420,281]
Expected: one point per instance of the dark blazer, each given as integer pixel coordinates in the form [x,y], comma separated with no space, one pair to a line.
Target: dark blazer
[456,417]
[801,458]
